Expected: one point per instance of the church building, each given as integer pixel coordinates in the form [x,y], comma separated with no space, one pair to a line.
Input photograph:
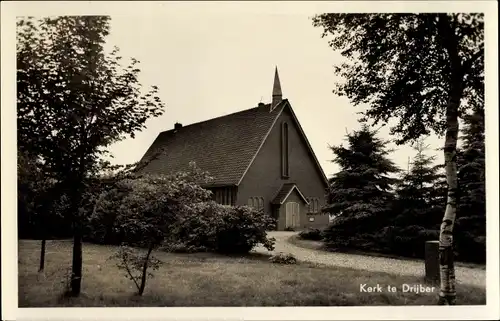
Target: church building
[258,157]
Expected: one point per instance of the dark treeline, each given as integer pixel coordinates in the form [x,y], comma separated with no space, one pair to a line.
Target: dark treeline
[382,208]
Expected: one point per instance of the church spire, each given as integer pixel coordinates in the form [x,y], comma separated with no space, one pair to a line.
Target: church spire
[277,96]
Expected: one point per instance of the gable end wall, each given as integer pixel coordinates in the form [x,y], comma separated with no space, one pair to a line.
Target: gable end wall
[263,178]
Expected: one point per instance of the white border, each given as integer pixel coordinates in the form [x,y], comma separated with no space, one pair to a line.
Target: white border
[8,167]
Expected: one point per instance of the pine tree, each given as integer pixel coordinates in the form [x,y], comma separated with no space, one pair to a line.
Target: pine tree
[421,192]
[422,71]
[471,221]
[471,165]
[360,194]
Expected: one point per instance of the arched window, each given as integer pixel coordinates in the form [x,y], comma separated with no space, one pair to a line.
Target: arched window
[285,171]
[261,203]
[256,202]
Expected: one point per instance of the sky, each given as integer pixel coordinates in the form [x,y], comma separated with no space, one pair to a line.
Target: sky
[220,63]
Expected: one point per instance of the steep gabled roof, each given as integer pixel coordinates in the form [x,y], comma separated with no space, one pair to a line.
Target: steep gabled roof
[309,147]
[225,146]
[285,191]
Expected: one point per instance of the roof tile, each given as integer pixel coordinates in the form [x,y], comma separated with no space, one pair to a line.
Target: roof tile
[223,146]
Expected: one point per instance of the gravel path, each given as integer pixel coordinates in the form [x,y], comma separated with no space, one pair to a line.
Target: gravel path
[464,275]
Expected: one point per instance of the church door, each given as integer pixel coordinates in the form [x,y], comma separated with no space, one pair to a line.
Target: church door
[292,215]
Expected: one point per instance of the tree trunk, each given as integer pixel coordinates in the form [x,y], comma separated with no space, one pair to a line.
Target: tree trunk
[144,269]
[44,241]
[76,271]
[447,293]
[42,254]
[48,205]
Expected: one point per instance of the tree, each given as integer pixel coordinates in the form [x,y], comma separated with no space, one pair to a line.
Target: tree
[421,191]
[471,221]
[73,100]
[471,163]
[360,194]
[147,209]
[39,203]
[421,70]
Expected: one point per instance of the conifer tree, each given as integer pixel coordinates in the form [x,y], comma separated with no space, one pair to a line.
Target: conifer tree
[421,191]
[360,194]
[471,164]
[421,71]
[471,221]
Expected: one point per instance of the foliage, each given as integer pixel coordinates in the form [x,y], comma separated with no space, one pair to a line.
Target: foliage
[102,226]
[360,194]
[41,202]
[282,258]
[221,228]
[135,263]
[289,229]
[469,245]
[141,212]
[74,99]
[175,213]
[421,192]
[243,228]
[142,209]
[471,167]
[311,234]
[470,229]
[363,186]
[420,198]
[402,67]
[422,71]
[351,233]
[408,241]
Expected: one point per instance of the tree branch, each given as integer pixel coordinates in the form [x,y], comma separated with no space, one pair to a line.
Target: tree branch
[130,274]
[468,63]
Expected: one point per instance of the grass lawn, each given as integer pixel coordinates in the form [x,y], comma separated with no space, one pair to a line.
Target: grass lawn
[209,280]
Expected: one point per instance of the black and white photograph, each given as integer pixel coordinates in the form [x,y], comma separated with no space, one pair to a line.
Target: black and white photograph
[248,155]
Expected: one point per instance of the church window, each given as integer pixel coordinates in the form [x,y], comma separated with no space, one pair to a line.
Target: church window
[285,170]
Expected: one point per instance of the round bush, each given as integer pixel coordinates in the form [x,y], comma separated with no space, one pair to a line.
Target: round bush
[311,234]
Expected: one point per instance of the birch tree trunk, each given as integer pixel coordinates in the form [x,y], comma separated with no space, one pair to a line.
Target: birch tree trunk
[447,293]
[446,30]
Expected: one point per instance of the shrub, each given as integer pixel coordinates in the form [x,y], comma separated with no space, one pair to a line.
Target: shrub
[176,212]
[242,229]
[469,238]
[311,234]
[223,229]
[406,241]
[142,211]
[349,233]
[282,258]
[102,225]
[289,229]
[136,264]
